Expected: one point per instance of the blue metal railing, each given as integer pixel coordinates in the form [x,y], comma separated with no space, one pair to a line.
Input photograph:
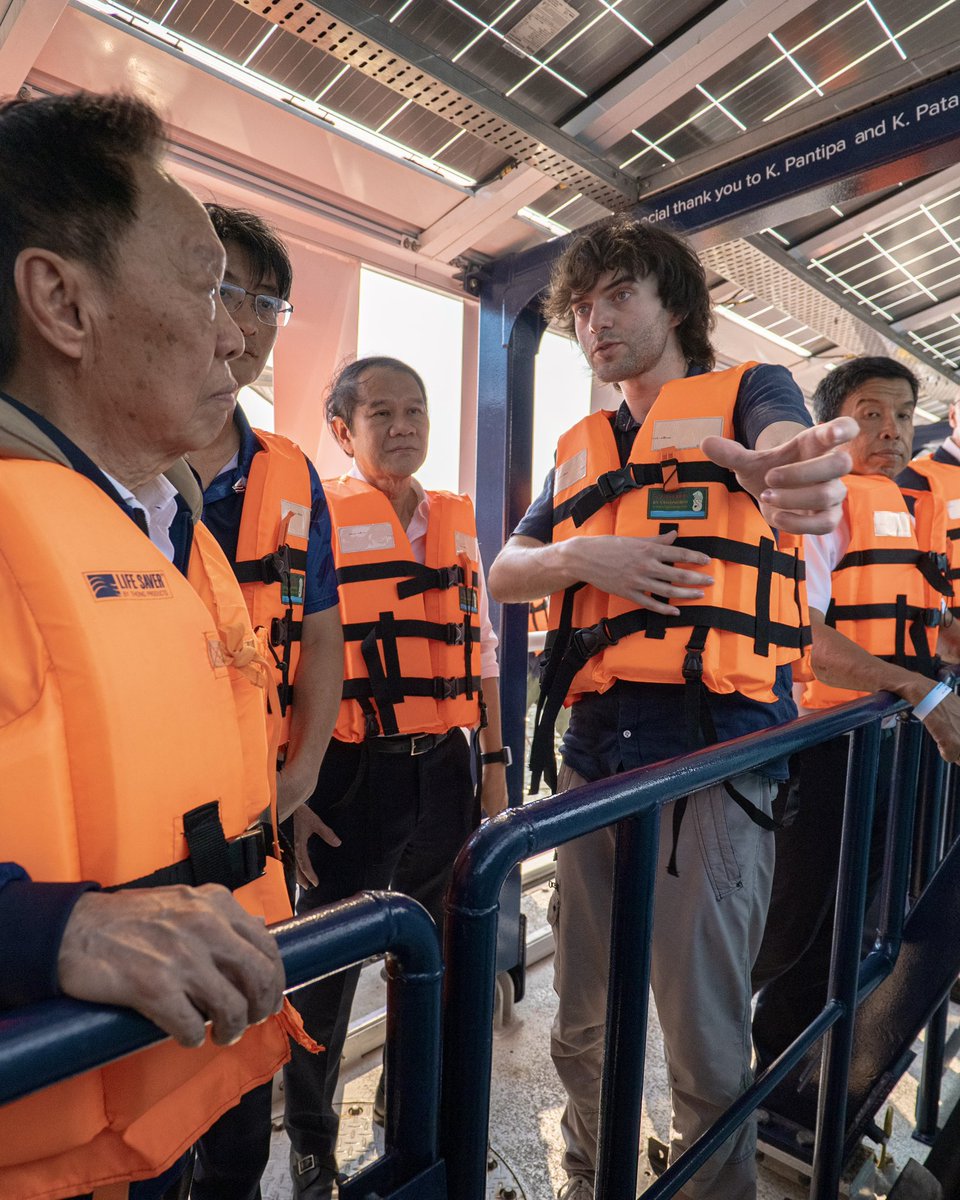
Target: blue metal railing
[634,801]
[47,1042]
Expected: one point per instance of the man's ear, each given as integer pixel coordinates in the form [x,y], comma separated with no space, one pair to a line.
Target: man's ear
[55,297]
[342,434]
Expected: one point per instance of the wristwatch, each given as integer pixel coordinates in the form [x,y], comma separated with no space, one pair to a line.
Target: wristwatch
[503,755]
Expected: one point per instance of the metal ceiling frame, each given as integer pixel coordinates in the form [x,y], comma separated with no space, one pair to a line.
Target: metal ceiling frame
[708,45]
[366,42]
[916,71]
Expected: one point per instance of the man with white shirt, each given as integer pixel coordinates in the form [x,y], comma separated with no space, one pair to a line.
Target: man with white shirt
[935,479]
[133,745]
[878,593]
[419,665]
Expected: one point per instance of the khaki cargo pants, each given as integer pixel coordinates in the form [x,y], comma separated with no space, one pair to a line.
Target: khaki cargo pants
[708,925]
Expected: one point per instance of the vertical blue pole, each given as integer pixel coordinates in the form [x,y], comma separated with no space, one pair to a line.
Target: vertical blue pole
[845,960]
[621,1088]
[508,348]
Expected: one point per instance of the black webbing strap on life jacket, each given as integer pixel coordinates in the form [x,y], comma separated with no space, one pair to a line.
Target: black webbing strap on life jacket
[701,732]
[272,568]
[385,682]
[573,648]
[277,567]
[414,578]
[932,566]
[212,858]
[612,484]
[585,643]
[538,610]
[907,618]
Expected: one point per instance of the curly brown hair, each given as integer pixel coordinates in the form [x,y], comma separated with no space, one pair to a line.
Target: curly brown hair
[637,249]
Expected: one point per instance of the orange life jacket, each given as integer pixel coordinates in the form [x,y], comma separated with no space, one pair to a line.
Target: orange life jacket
[940,473]
[537,616]
[751,620]
[272,555]
[127,718]
[411,632]
[887,588]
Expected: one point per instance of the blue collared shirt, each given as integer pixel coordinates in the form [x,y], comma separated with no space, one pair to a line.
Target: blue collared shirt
[223,508]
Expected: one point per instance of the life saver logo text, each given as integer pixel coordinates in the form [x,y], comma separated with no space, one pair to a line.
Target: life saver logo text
[128,585]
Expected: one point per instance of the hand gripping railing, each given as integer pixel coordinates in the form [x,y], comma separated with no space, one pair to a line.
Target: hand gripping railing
[44,1043]
[634,800]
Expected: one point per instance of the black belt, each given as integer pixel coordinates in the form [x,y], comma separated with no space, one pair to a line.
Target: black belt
[415,743]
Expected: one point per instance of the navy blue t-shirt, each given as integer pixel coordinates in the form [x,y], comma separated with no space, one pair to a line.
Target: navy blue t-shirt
[223,507]
[637,724]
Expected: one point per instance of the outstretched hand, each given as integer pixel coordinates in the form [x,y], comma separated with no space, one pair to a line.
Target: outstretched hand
[797,483]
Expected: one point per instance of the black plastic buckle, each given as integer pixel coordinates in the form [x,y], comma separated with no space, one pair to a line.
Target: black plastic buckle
[444,689]
[692,670]
[449,577]
[590,641]
[273,567]
[612,484]
[455,635]
[932,618]
[278,631]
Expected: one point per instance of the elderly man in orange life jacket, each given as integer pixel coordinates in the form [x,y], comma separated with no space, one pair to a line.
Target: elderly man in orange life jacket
[419,665]
[879,601]
[133,742]
[691,618]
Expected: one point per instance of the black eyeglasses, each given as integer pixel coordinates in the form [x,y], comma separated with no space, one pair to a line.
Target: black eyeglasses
[271,310]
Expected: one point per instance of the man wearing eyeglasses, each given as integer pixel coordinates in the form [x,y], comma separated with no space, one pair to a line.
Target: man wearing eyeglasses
[263,502]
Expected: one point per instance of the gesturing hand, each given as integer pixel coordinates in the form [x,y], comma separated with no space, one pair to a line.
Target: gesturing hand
[797,483]
[178,955]
[306,824]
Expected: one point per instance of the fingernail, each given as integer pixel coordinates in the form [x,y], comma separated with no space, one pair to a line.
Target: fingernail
[236,1038]
[767,496]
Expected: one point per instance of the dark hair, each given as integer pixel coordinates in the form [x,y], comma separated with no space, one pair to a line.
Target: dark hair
[67,184]
[637,249]
[342,395]
[267,254]
[836,385]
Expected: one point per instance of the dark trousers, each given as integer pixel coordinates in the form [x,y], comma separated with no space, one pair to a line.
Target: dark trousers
[402,819]
[793,967]
[233,1154]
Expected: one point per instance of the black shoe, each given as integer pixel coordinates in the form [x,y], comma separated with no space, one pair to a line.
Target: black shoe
[313,1179]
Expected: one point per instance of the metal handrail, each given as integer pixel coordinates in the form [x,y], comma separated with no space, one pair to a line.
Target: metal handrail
[634,801]
[44,1043]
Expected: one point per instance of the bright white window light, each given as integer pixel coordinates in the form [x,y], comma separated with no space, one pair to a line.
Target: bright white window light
[777,340]
[223,67]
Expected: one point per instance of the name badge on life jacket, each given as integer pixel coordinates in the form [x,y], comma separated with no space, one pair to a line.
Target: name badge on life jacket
[468,600]
[295,588]
[682,504]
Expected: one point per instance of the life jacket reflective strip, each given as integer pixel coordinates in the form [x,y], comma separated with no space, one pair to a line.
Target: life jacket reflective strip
[127,706]
[756,607]
[272,554]
[940,501]
[411,631]
[886,590]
